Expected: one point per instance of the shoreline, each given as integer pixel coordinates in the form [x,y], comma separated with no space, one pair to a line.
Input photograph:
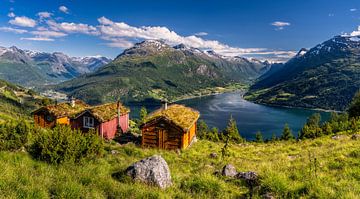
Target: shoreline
[298,107]
[265,104]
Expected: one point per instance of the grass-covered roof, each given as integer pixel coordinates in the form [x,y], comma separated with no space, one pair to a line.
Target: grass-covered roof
[106,112]
[65,109]
[182,116]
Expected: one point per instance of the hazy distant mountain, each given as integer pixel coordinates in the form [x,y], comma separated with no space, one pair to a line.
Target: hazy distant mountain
[31,68]
[326,76]
[153,69]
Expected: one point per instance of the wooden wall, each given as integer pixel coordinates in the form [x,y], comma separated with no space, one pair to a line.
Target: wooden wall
[40,120]
[165,136]
[161,135]
[78,123]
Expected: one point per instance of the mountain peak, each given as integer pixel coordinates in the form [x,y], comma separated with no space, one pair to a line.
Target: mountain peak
[301,52]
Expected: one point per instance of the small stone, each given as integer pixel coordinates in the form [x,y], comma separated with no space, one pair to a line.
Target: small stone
[213,155]
[338,137]
[114,152]
[292,157]
[268,196]
[229,170]
[251,178]
[355,137]
[152,170]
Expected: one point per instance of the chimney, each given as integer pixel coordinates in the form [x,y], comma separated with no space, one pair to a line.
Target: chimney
[165,105]
[72,101]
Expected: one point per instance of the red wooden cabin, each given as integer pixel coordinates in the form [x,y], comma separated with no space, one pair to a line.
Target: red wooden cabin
[107,119]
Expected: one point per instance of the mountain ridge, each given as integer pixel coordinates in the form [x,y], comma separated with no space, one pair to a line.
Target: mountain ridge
[32,68]
[153,69]
[326,76]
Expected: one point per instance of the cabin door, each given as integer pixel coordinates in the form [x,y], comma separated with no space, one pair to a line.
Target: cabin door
[162,138]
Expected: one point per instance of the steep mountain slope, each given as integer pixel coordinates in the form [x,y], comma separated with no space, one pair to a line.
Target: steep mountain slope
[31,68]
[153,69]
[326,76]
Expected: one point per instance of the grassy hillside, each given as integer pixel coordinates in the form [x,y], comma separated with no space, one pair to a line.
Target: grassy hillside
[326,77]
[17,102]
[320,168]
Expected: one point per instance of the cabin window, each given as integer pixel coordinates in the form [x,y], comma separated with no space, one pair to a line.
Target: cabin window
[49,118]
[88,122]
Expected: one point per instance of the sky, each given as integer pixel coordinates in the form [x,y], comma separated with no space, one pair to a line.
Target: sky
[265,29]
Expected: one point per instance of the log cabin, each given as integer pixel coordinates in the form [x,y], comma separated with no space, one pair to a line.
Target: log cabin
[52,115]
[107,120]
[172,127]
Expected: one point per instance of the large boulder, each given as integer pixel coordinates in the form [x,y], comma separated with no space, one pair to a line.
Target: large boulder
[229,170]
[152,170]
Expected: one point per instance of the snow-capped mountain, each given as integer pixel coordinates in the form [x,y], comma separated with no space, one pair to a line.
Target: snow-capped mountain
[43,67]
[326,76]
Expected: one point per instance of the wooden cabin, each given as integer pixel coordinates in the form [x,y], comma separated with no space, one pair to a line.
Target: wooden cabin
[172,127]
[107,119]
[52,115]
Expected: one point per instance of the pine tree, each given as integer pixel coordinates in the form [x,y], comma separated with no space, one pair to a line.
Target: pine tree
[259,137]
[143,114]
[232,131]
[273,137]
[354,109]
[202,130]
[287,134]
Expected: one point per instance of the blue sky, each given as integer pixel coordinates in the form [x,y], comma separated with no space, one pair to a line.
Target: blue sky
[271,29]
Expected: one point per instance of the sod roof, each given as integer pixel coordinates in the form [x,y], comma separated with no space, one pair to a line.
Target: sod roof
[182,116]
[107,112]
[65,109]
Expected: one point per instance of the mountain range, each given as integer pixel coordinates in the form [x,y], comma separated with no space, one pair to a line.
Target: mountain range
[31,68]
[325,76]
[155,70]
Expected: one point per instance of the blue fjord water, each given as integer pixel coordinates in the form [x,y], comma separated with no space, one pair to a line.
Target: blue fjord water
[216,110]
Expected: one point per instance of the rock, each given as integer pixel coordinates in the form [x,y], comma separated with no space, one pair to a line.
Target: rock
[152,170]
[268,196]
[355,137]
[338,137]
[229,170]
[251,178]
[114,152]
[292,157]
[213,155]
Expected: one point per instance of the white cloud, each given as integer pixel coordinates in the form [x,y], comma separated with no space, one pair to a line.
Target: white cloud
[37,38]
[48,33]
[201,34]
[11,14]
[44,15]
[118,42]
[280,24]
[353,9]
[64,9]
[110,29]
[120,34]
[331,15]
[23,21]
[73,27]
[78,28]
[355,33]
[13,30]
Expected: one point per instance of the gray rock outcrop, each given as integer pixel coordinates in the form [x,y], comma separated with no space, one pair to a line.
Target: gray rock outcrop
[152,170]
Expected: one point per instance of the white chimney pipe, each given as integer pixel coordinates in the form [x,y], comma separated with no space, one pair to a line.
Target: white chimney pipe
[165,106]
[72,102]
